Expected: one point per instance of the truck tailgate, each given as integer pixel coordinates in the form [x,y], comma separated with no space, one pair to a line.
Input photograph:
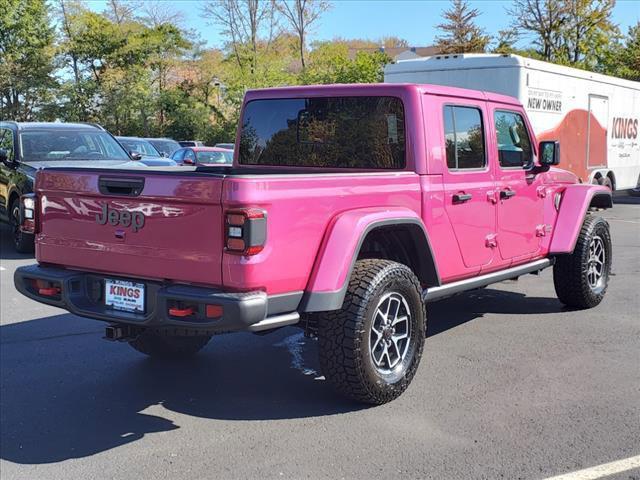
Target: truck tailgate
[155,226]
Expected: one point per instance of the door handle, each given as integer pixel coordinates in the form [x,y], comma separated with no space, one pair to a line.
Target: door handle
[506,194]
[462,197]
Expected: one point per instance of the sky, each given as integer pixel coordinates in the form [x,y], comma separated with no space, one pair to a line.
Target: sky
[413,20]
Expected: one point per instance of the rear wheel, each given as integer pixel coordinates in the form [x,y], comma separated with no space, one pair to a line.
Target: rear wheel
[370,349]
[22,242]
[581,278]
[160,345]
[606,182]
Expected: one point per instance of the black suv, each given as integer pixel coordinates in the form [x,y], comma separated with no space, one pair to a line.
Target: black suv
[27,147]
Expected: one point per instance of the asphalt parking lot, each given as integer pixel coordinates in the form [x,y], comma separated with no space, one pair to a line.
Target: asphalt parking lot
[511,386]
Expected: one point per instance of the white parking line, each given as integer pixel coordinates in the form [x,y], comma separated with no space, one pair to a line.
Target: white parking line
[601,471]
[294,344]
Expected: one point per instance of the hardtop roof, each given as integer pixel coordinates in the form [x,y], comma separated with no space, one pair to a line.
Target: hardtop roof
[376,89]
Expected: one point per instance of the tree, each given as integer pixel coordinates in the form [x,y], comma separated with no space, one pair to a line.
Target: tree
[542,19]
[329,62]
[630,55]
[250,26]
[26,58]
[461,34]
[301,15]
[587,30]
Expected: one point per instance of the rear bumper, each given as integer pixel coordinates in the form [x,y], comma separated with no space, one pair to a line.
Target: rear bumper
[82,293]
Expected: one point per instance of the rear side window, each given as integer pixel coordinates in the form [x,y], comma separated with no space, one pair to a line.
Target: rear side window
[330,132]
[464,138]
[6,142]
[514,145]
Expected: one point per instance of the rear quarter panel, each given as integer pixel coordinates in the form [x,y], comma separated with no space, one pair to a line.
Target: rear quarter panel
[300,209]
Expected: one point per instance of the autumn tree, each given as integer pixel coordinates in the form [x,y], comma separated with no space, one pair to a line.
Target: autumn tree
[301,15]
[541,20]
[460,32]
[249,25]
[587,30]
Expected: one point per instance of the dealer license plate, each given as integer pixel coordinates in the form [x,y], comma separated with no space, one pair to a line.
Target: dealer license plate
[122,295]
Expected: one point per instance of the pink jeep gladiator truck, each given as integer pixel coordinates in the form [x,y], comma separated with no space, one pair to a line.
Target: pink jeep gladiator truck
[347,208]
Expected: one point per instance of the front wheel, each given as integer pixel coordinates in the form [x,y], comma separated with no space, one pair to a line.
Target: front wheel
[581,278]
[370,349]
[162,345]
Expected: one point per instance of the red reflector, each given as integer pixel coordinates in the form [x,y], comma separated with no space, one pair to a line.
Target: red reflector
[180,312]
[254,250]
[49,292]
[235,244]
[214,311]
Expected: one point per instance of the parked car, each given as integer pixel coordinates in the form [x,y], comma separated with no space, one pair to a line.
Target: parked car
[191,143]
[203,156]
[143,150]
[166,146]
[228,146]
[348,207]
[27,147]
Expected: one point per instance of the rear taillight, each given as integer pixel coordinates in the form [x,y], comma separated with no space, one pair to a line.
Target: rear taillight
[28,213]
[245,231]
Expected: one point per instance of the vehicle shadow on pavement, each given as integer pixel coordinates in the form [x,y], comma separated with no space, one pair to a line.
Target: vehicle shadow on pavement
[451,312]
[66,393]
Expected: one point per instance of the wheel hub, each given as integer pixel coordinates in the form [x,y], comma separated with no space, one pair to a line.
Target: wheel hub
[390,332]
[596,263]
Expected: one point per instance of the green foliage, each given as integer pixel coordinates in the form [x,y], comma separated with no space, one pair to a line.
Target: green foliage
[330,62]
[460,32]
[26,59]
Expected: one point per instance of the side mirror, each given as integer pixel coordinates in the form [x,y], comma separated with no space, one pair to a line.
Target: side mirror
[549,153]
[188,161]
[135,155]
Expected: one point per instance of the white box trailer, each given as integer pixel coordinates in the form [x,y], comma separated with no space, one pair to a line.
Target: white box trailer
[595,117]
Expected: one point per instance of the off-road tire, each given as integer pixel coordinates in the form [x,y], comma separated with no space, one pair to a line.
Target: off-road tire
[344,335]
[570,271]
[22,242]
[162,345]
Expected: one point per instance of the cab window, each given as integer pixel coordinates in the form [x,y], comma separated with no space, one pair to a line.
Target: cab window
[514,144]
[464,138]
[6,142]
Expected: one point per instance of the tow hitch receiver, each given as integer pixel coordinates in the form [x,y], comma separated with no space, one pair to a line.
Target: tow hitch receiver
[121,333]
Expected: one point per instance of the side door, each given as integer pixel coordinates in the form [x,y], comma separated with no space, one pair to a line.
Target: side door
[6,143]
[519,191]
[467,179]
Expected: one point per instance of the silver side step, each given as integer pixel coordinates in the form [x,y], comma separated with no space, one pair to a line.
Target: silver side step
[275,322]
[436,293]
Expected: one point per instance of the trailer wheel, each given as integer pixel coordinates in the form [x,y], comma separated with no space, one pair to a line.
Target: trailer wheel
[370,349]
[606,182]
[160,345]
[581,278]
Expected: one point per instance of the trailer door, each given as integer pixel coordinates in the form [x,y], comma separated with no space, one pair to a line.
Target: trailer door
[597,131]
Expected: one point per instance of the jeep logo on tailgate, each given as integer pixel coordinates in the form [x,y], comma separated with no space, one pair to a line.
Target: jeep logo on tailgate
[124,218]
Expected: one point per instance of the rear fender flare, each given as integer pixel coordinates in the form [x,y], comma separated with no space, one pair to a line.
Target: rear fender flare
[341,245]
[576,200]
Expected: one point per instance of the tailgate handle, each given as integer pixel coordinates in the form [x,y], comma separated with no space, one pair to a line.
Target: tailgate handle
[129,187]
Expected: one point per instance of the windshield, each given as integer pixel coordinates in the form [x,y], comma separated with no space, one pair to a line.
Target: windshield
[330,132]
[39,145]
[165,146]
[215,157]
[139,145]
